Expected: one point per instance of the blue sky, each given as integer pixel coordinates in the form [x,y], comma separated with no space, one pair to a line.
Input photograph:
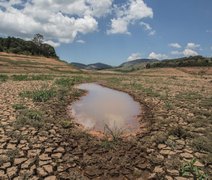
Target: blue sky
[113,31]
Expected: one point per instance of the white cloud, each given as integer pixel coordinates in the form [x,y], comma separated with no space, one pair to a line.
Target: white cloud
[192,46]
[80,41]
[176,52]
[134,56]
[148,28]
[134,10]
[59,21]
[189,52]
[52,43]
[154,55]
[175,45]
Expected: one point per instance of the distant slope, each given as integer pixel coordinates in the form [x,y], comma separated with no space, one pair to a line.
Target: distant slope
[14,63]
[135,64]
[20,46]
[184,62]
[95,66]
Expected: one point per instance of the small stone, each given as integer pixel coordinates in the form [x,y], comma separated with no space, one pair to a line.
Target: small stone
[180,178]
[49,150]
[57,155]
[60,150]
[51,178]
[173,172]
[11,146]
[161,146]
[44,157]
[18,161]
[186,155]
[48,168]
[27,164]
[198,164]
[41,172]
[168,178]
[2,175]
[158,169]
[11,172]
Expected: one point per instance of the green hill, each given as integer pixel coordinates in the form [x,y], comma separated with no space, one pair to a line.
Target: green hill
[20,46]
[191,61]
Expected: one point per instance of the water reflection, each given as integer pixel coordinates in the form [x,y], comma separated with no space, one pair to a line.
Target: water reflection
[103,106]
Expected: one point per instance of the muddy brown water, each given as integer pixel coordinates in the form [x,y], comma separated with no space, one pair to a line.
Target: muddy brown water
[103,106]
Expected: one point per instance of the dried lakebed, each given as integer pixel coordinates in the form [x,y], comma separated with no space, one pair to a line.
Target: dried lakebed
[103,107]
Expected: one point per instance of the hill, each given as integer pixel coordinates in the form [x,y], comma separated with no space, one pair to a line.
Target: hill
[183,62]
[34,47]
[95,66]
[135,64]
[15,63]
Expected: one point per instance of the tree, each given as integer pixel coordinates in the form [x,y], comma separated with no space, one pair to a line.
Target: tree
[38,39]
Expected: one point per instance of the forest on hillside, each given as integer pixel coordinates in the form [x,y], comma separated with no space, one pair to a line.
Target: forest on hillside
[35,47]
[182,62]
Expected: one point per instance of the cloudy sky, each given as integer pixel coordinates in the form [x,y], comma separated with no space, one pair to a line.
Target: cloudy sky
[113,31]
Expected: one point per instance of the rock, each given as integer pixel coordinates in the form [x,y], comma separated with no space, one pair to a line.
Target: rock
[168,178]
[18,161]
[51,178]
[48,168]
[27,164]
[165,152]
[161,146]
[49,150]
[11,172]
[180,178]
[186,155]
[173,172]
[57,155]
[158,170]
[141,166]
[44,157]
[60,150]
[2,175]
[41,172]
[11,146]
[198,164]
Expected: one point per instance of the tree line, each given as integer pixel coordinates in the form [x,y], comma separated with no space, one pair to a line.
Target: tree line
[34,47]
[183,62]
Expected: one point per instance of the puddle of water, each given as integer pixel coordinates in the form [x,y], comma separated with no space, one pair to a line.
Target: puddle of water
[104,106]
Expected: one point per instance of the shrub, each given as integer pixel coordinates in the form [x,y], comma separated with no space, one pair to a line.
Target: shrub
[18,106]
[179,132]
[3,77]
[20,77]
[39,95]
[189,168]
[65,82]
[41,77]
[30,117]
[66,124]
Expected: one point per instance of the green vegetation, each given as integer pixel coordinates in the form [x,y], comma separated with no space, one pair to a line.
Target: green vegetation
[41,77]
[42,95]
[183,62]
[18,106]
[65,82]
[30,117]
[66,124]
[20,46]
[20,77]
[189,168]
[179,132]
[202,144]
[3,77]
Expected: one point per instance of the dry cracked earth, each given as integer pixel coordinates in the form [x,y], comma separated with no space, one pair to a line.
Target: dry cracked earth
[54,152]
